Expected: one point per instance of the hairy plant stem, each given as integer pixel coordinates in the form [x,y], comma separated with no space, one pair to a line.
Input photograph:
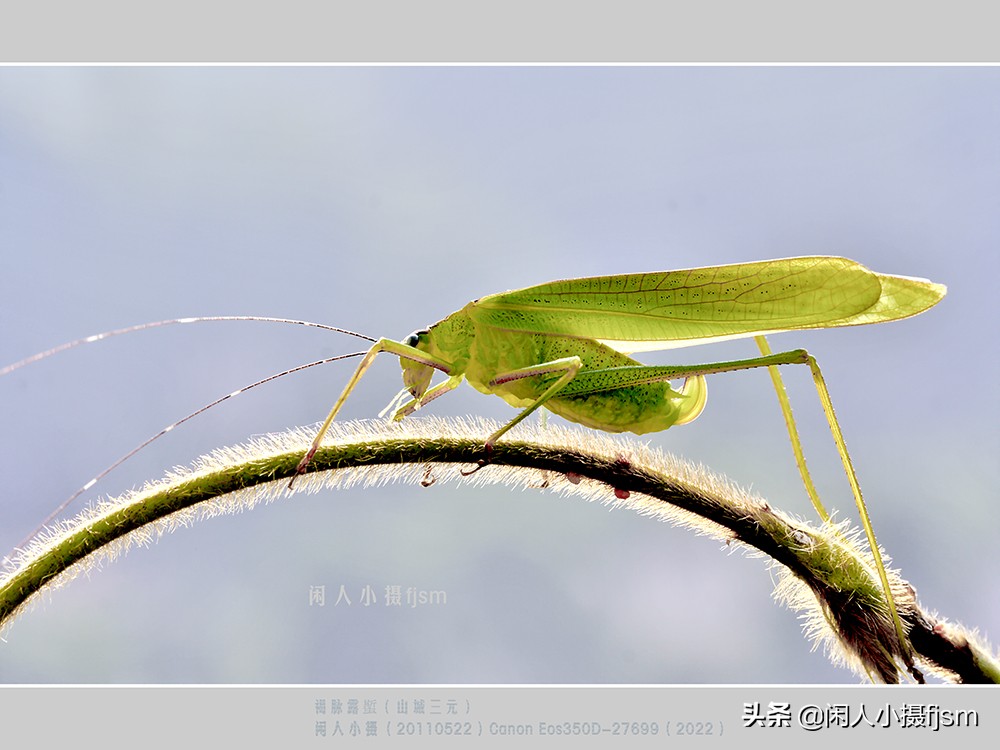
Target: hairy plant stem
[846,598]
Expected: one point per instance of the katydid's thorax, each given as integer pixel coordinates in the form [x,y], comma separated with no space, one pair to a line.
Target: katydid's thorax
[451,340]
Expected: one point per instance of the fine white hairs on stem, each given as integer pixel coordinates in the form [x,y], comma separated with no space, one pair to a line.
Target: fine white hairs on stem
[840,596]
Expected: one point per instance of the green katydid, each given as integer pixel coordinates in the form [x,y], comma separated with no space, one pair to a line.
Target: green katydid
[564,345]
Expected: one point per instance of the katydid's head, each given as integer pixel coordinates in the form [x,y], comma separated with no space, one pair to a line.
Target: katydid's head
[416,375]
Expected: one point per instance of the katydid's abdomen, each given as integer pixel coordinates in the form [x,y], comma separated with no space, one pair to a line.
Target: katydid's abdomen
[486,352]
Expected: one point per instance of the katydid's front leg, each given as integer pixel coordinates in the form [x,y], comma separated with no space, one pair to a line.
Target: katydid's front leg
[439,390]
[382,345]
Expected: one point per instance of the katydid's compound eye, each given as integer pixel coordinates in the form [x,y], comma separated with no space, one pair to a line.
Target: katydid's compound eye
[414,338]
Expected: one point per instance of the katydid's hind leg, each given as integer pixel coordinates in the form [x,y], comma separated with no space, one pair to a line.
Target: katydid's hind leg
[793,432]
[800,356]
[590,382]
[905,651]
[637,398]
[593,381]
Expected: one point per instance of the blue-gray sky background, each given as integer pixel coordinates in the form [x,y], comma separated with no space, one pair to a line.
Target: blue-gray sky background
[382,199]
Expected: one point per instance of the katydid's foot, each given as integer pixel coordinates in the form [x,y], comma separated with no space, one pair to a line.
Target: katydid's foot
[479,464]
[488,450]
[301,468]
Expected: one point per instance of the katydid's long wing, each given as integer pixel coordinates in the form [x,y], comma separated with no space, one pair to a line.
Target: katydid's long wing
[670,309]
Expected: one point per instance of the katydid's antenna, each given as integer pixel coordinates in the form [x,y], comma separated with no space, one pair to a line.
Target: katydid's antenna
[159,324]
[66,503]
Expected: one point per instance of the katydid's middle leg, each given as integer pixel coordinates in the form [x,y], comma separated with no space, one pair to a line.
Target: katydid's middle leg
[568,367]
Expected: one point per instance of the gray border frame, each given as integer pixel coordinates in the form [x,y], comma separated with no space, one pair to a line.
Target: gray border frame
[438,31]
